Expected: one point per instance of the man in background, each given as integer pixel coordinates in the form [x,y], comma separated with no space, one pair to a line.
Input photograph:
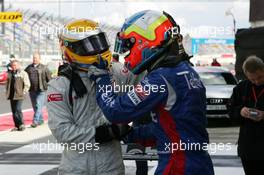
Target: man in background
[247,107]
[39,76]
[17,86]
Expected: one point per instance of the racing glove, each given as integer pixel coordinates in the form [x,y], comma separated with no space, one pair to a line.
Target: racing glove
[121,130]
[107,133]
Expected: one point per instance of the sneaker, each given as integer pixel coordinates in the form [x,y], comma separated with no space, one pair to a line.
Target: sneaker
[34,125]
[41,122]
[14,129]
[21,128]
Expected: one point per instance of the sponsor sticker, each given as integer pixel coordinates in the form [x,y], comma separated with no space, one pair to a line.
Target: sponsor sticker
[124,71]
[55,97]
[133,97]
[11,17]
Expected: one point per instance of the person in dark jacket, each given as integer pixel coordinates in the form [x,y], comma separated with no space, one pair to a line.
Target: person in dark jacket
[17,86]
[39,76]
[247,107]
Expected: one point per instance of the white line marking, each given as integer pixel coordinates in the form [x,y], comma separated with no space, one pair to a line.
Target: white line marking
[10,113]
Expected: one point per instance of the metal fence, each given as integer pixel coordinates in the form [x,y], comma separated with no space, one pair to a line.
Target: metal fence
[38,32]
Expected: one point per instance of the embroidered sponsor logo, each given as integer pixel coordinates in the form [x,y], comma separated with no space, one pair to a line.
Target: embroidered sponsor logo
[55,97]
[141,92]
[133,97]
[109,100]
[124,71]
[193,81]
[153,116]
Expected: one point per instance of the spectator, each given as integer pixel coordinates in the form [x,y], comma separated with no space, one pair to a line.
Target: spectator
[8,66]
[247,107]
[215,63]
[17,86]
[198,63]
[39,76]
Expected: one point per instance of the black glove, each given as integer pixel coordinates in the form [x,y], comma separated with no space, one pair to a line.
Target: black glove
[104,134]
[107,133]
[121,130]
[65,70]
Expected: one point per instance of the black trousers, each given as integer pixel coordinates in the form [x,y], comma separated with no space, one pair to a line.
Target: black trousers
[253,167]
[17,112]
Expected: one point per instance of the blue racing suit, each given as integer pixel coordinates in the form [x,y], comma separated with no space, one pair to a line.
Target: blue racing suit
[176,98]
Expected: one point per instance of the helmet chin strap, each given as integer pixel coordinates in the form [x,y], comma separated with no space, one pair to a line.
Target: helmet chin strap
[150,60]
[172,55]
[164,54]
[157,62]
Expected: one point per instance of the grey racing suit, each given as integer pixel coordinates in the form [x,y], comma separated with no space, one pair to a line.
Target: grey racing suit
[74,127]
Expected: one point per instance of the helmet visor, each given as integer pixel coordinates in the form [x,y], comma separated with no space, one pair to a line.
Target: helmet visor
[123,45]
[92,45]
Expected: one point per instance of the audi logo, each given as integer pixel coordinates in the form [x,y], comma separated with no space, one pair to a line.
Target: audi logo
[216,101]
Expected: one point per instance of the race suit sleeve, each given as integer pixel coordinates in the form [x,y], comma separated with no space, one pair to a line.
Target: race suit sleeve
[146,96]
[61,122]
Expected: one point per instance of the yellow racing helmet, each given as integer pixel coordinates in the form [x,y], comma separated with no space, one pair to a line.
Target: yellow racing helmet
[82,41]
